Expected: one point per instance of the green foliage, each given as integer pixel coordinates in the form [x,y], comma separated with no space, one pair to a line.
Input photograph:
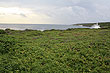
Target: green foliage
[2,32]
[6,44]
[55,51]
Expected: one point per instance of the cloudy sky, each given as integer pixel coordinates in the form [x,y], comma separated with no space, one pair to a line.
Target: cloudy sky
[54,11]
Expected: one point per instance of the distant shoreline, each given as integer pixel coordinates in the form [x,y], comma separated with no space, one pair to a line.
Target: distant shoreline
[102,24]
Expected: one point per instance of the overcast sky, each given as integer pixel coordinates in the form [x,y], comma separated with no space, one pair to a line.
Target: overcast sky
[54,11]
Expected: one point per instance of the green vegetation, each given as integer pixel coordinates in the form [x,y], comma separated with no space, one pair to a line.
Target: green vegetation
[55,51]
[105,25]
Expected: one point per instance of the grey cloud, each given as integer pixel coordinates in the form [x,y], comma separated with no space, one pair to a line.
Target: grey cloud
[23,15]
[67,11]
[2,14]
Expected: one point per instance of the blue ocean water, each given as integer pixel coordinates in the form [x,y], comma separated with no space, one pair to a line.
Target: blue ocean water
[38,26]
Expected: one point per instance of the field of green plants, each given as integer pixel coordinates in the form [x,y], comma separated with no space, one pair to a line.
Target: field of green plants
[55,51]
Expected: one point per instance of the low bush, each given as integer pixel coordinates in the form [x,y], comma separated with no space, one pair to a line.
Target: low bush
[2,32]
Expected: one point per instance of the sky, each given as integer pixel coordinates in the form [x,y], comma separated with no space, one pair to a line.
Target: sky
[54,11]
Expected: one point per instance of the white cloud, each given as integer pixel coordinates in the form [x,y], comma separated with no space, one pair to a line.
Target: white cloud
[14,11]
[58,11]
[21,15]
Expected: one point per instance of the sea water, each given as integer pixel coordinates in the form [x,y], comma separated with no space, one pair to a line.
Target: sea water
[39,26]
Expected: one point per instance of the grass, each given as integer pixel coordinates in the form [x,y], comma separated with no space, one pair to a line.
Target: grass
[55,51]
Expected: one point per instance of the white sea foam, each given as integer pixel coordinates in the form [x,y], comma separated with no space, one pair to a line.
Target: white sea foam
[96,26]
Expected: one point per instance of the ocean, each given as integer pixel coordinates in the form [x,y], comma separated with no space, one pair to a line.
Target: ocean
[38,26]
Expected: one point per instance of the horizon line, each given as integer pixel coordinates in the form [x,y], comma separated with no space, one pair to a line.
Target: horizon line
[60,23]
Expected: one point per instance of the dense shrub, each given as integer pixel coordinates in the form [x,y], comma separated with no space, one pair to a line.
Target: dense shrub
[2,32]
[78,51]
[6,43]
